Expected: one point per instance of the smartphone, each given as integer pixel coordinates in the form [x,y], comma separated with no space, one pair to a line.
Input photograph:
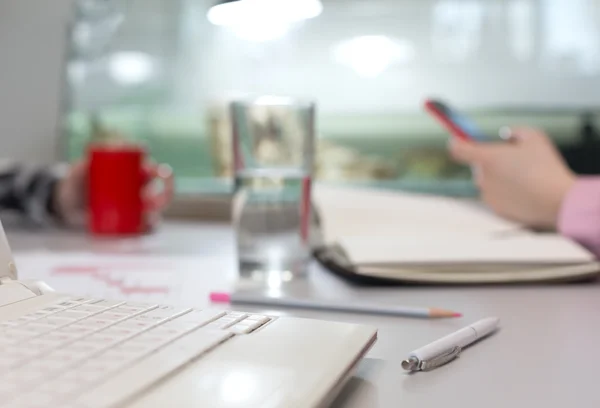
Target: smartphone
[456,123]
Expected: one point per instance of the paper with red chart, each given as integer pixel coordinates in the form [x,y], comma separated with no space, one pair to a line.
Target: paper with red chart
[173,279]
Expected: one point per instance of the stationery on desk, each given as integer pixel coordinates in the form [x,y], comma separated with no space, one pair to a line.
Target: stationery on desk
[447,348]
[371,236]
[331,306]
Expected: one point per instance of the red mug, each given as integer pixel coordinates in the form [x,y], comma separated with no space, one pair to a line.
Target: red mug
[119,189]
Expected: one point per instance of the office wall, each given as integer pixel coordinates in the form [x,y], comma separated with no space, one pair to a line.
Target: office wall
[32,39]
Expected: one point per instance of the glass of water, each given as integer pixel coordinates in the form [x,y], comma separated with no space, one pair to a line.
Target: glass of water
[273,151]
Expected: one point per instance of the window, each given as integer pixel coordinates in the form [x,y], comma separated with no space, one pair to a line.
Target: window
[160,72]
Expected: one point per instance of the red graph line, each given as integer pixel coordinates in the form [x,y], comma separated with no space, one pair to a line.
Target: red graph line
[102,274]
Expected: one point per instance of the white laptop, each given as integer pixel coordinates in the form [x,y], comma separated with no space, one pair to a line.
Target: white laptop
[74,352]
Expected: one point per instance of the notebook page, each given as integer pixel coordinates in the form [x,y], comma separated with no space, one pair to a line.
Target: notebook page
[348,211]
[460,249]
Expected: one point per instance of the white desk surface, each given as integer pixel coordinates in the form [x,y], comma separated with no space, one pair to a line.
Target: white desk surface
[547,353]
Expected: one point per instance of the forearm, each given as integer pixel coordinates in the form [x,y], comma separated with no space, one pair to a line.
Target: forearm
[579,218]
[29,190]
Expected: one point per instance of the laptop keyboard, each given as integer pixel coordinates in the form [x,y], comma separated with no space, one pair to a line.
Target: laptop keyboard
[77,353]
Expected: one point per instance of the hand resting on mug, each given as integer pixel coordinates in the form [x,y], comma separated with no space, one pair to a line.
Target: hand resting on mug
[71,198]
[58,193]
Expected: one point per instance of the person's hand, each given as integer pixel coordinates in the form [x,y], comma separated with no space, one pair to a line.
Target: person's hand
[524,179]
[70,196]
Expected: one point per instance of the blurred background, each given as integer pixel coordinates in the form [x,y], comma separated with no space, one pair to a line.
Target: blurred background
[162,71]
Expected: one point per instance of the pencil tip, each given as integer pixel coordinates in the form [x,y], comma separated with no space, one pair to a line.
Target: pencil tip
[444,313]
[220,297]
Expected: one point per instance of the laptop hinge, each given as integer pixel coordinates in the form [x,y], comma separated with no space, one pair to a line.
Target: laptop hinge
[37,287]
[5,279]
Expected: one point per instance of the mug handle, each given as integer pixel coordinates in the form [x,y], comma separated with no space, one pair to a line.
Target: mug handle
[163,172]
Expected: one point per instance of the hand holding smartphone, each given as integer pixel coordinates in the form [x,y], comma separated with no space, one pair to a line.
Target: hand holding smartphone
[456,123]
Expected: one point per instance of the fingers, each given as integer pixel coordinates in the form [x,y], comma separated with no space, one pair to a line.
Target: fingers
[466,152]
[482,158]
[523,133]
[484,154]
[158,200]
[477,174]
[79,171]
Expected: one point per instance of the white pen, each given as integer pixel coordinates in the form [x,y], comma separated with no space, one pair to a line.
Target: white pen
[449,347]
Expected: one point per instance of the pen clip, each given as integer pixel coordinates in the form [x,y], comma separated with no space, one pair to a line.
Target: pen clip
[440,360]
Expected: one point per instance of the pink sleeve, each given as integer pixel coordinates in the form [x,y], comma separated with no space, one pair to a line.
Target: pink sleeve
[579,217]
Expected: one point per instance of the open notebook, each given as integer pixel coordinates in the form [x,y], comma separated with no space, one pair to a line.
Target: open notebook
[372,236]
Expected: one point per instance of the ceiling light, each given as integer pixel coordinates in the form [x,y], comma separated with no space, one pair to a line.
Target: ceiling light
[131,68]
[371,55]
[262,20]
[230,13]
